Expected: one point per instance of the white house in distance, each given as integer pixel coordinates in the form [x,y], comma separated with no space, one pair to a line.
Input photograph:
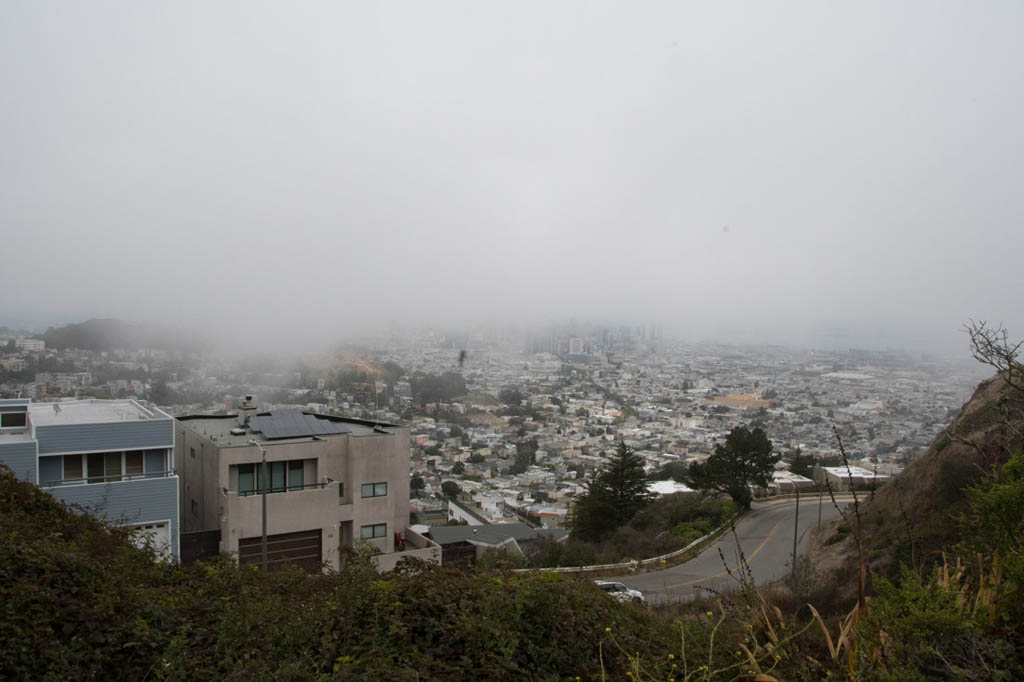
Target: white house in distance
[840,479]
[668,487]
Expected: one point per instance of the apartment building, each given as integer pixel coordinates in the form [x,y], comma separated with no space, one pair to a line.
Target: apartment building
[330,482]
[111,457]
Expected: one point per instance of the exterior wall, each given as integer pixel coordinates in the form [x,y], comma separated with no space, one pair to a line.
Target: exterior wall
[128,502]
[347,460]
[129,435]
[381,457]
[287,512]
[456,512]
[21,457]
[417,547]
[199,480]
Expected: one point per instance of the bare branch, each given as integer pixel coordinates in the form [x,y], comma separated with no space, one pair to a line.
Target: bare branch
[991,346]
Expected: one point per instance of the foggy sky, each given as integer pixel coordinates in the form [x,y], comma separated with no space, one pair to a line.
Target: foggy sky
[742,171]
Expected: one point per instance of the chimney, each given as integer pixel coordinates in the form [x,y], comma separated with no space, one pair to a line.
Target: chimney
[246,408]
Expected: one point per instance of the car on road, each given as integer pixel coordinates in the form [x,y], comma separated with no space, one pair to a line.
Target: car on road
[619,591]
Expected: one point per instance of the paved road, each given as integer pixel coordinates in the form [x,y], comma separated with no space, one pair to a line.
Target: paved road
[766,536]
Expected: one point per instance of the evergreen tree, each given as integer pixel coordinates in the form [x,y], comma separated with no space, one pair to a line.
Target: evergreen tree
[746,459]
[801,464]
[613,497]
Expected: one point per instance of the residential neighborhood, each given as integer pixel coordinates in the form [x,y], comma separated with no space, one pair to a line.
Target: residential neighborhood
[379,447]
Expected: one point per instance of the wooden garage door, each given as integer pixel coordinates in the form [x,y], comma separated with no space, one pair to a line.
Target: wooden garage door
[302,549]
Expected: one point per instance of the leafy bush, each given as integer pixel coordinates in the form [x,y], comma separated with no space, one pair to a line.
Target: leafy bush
[926,630]
[80,602]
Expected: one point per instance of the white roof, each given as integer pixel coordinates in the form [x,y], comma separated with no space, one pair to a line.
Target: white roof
[854,471]
[784,475]
[668,488]
[90,412]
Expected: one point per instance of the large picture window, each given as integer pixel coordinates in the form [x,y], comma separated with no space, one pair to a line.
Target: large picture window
[282,475]
[104,467]
[375,489]
[377,530]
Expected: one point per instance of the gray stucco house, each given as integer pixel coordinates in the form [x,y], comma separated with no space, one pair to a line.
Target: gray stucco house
[111,457]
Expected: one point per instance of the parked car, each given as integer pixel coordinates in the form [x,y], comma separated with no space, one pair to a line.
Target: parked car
[620,591]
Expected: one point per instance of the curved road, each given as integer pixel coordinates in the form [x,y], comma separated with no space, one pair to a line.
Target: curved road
[766,535]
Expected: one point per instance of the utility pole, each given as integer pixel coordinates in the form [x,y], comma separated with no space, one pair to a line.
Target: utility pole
[819,504]
[263,493]
[796,530]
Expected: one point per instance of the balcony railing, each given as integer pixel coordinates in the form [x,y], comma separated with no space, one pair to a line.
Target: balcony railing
[281,489]
[106,479]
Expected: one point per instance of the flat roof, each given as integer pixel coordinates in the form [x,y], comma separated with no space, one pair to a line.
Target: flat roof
[15,437]
[218,429]
[668,488]
[786,475]
[91,412]
[856,472]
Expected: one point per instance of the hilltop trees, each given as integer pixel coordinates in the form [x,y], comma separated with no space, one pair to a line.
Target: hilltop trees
[746,459]
[616,493]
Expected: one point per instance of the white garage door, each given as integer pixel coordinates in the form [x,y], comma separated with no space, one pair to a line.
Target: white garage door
[157,535]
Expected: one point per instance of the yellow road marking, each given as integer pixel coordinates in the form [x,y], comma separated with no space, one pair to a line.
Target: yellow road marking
[725,573]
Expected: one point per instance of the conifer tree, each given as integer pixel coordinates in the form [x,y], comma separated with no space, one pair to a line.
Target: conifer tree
[746,459]
[613,497]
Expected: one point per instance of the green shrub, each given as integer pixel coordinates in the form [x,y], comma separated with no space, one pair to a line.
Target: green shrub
[79,602]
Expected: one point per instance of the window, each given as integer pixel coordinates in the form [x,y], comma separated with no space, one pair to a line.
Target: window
[282,475]
[375,489]
[192,452]
[195,508]
[94,463]
[377,530]
[246,479]
[277,474]
[72,467]
[341,489]
[10,420]
[133,463]
[295,468]
[112,466]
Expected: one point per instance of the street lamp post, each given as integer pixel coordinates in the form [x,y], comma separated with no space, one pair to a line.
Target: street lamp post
[263,494]
[796,529]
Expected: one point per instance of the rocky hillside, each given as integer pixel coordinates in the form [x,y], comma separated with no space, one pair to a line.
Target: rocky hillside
[922,513]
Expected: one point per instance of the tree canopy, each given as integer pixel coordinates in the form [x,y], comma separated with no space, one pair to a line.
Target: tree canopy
[745,459]
[450,490]
[613,497]
[801,464]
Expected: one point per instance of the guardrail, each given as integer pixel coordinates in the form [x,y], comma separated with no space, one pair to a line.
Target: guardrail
[666,558]
[642,563]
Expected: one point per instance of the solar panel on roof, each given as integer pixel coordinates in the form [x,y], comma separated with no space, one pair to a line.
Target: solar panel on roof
[294,424]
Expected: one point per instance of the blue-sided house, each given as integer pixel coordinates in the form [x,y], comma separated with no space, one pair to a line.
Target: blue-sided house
[111,457]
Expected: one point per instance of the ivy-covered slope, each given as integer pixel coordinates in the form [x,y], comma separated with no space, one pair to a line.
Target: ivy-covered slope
[79,602]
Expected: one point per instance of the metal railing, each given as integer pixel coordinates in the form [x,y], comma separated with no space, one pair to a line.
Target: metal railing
[114,478]
[280,489]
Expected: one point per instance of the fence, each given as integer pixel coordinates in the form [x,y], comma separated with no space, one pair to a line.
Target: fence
[199,545]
